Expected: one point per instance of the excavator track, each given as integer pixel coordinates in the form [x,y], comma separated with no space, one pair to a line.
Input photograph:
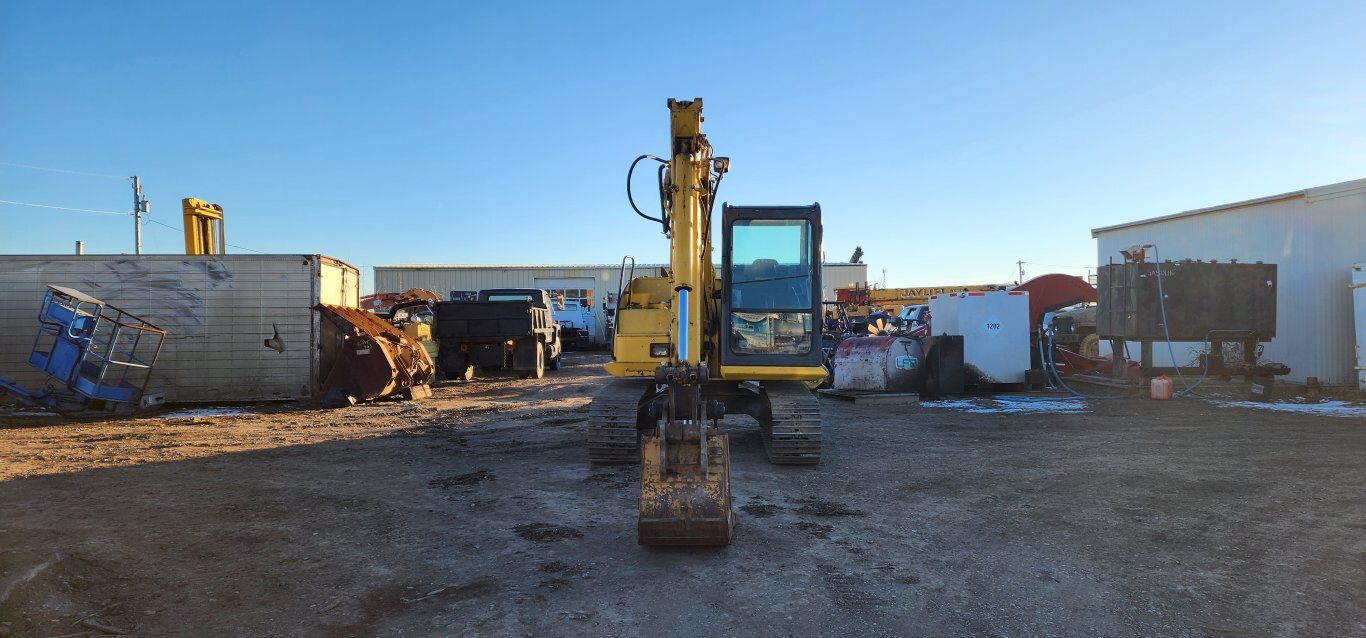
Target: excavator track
[613,436]
[793,435]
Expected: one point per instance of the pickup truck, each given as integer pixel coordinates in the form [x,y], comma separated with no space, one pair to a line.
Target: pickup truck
[505,328]
[577,324]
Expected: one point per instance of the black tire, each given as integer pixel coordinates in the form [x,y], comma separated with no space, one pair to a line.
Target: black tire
[539,370]
[466,374]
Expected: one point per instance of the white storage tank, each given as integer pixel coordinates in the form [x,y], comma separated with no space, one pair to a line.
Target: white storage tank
[879,364]
[995,329]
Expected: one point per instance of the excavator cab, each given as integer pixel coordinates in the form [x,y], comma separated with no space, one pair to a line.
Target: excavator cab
[771,292]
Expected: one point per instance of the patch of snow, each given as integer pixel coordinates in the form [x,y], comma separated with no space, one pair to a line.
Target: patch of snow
[949,404]
[204,412]
[1327,408]
[1022,405]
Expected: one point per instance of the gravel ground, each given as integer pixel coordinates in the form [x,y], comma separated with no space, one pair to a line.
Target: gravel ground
[476,513]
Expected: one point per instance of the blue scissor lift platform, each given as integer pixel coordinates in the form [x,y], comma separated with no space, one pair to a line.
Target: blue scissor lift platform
[101,356]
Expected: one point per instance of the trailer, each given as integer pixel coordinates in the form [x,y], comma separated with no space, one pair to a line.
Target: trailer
[238,327]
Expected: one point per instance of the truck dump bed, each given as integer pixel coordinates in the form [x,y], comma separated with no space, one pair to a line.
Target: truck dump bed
[488,320]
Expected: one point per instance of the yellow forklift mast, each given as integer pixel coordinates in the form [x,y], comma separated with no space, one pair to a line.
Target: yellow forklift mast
[203,227]
[695,345]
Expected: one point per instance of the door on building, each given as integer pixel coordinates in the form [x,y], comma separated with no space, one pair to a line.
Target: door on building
[577,289]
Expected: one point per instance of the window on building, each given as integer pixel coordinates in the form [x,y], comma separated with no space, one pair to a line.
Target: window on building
[582,295]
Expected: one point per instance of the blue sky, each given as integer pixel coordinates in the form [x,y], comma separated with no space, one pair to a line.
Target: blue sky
[950,140]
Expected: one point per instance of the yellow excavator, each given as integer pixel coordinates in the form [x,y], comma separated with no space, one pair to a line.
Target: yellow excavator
[696,345]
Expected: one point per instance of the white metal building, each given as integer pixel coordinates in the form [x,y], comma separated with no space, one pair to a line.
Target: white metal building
[587,283]
[1313,235]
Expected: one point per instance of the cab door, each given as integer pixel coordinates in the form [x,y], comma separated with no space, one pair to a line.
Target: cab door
[771,291]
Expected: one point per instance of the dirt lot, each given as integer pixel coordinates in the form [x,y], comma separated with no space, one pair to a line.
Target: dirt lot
[476,513]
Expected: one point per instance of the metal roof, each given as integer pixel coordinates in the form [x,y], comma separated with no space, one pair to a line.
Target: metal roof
[1340,189]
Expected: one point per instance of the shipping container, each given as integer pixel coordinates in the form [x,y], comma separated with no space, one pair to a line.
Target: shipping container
[239,327]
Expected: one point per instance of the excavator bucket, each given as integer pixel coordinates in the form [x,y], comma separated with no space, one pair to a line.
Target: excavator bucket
[685,503]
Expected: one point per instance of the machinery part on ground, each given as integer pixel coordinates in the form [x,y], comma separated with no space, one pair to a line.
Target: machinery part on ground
[203,227]
[411,298]
[792,433]
[691,336]
[364,357]
[386,304]
[101,355]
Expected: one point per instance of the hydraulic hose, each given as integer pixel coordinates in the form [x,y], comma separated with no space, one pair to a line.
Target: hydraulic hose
[1166,331]
[1053,367]
[629,173]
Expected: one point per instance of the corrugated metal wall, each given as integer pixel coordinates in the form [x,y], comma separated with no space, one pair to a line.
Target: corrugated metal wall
[1314,239]
[217,311]
[837,276]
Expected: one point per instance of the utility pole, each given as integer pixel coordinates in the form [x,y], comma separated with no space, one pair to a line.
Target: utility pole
[1021,265]
[140,206]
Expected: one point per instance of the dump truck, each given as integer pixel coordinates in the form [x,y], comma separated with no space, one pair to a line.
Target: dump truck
[505,328]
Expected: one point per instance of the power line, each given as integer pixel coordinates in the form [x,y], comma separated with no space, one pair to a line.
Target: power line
[79,210]
[1035,263]
[62,170]
[181,230]
[110,212]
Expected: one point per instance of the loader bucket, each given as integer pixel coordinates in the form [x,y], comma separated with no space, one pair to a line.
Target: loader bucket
[685,504]
[363,357]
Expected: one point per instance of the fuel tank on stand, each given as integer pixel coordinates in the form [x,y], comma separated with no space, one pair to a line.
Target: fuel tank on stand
[879,364]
